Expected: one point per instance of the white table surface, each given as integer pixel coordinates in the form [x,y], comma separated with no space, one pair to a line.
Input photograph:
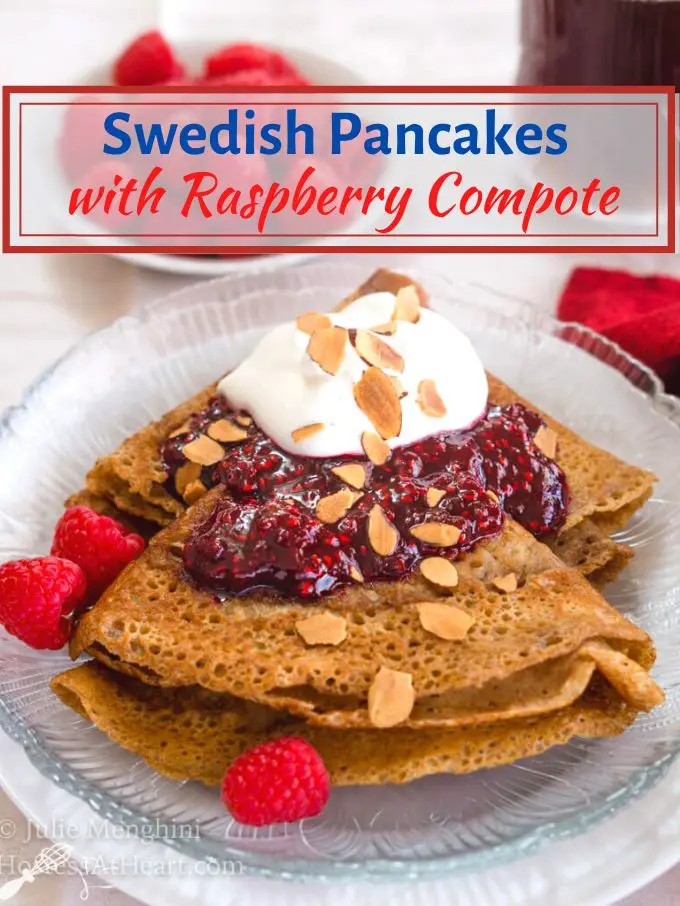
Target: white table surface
[48,302]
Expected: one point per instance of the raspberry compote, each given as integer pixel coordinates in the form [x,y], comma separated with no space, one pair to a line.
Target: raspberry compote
[264,532]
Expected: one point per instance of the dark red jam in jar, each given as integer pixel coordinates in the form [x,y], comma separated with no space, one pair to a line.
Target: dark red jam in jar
[264,532]
[600,42]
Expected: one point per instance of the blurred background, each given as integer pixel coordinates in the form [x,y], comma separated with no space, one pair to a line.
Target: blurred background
[48,301]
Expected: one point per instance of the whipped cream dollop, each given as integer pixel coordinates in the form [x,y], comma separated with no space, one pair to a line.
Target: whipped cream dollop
[284,390]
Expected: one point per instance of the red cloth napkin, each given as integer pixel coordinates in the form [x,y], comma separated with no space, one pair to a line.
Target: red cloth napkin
[641,314]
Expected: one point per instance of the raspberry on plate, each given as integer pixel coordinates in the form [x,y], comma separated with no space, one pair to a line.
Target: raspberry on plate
[37,597]
[149,60]
[82,135]
[254,78]
[235,58]
[101,546]
[278,781]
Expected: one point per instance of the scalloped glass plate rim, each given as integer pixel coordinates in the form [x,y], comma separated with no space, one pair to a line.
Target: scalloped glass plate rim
[261,864]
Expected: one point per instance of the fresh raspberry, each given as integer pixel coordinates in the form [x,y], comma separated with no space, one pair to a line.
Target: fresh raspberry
[108,175]
[149,60]
[37,597]
[82,135]
[234,58]
[282,780]
[254,78]
[101,546]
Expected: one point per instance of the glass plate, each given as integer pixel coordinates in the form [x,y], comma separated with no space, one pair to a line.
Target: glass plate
[120,378]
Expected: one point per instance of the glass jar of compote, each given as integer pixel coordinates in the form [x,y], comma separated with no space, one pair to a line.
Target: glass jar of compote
[600,42]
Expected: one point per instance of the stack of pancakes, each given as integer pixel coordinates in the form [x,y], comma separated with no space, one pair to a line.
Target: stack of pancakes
[378,677]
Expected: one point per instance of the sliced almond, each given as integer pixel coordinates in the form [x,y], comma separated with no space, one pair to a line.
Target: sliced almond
[387,330]
[204,451]
[439,571]
[332,508]
[439,534]
[382,535]
[311,321]
[244,420]
[375,351]
[505,583]
[306,431]
[356,574]
[322,629]
[177,548]
[375,448]
[391,698]
[546,441]
[194,491]
[352,473]
[434,495]
[407,306]
[326,347]
[429,400]
[492,496]
[190,471]
[444,620]
[378,400]
[398,386]
[226,431]
[183,429]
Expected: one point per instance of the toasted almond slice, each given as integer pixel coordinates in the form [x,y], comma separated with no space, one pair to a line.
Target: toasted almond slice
[492,496]
[391,698]
[244,420]
[194,491]
[378,400]
[204,451]
[444,620]
[306,431]
[434,495]
[505,583]
[439,571]
[226,431]
[181,430]
[332,508]
[311,321]
[177,548]
[439,534]
[326,347]
[323,629]
[375,448]
[546,441]
[375,351]
[386,330]
[356,574]
[398,386]
[382,534]
[190,471]
[352,473]
[429,400]
[407,307]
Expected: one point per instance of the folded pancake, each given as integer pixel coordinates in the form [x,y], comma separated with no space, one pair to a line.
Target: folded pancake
[584,547]
[190,733]
[547,634]
[589,549]
[602,487]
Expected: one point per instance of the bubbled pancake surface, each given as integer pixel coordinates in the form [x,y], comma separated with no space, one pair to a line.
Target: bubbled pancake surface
[153,623]
[192,734]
